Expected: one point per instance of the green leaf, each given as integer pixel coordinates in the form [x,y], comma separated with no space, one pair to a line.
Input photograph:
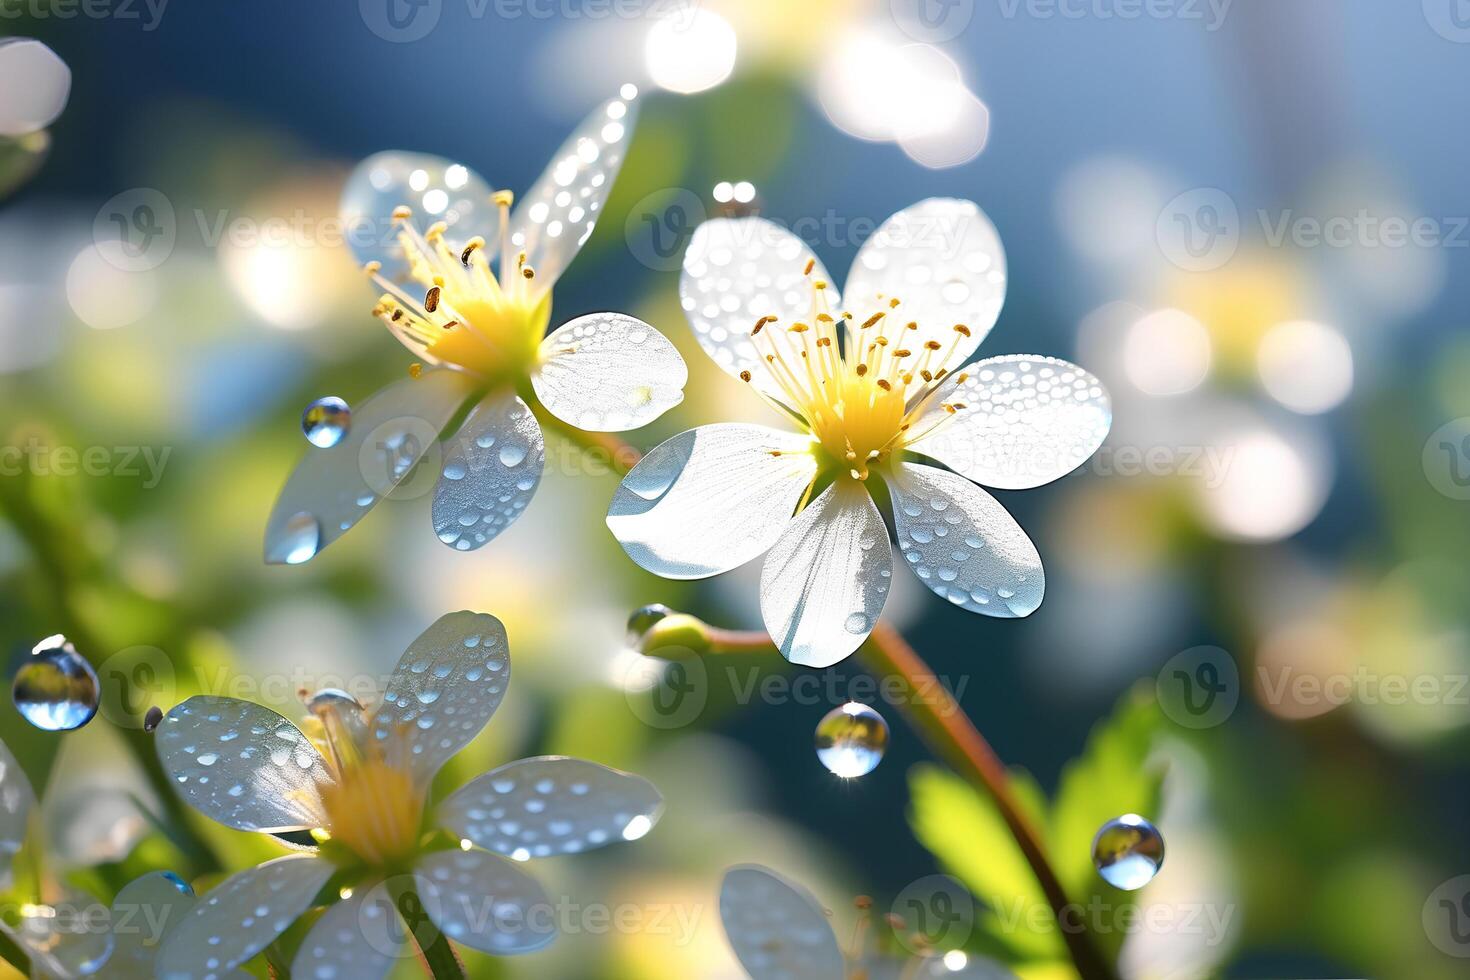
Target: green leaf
[1114,775]
[966,832]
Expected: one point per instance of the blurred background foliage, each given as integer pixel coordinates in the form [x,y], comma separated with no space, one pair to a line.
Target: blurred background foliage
[1303,512]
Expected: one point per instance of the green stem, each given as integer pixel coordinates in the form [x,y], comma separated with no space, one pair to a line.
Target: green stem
[34,529]
[938,718]
[949,732]
[14,955]
[435,952]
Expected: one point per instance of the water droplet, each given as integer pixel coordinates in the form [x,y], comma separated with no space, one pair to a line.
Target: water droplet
[851,740]
[302,538]
[512,455]
[55,689]
[1128,851]
[858,623]
[644,619]
[325,421]
[153,718]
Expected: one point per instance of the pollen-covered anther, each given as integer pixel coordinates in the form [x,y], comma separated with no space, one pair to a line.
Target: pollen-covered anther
[862,369]
[372,268]
[744,375]
[435,231]
[962,330]
[503,199]
[873,319]
[431,299]
[415,369]
[402,213]
[810,265]
[469,249]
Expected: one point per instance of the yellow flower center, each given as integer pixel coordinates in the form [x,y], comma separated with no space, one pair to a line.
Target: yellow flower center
[487,321]
[860,390]
[374,805]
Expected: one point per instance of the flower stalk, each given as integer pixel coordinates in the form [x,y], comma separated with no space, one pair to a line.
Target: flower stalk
[939,720]
[435,952]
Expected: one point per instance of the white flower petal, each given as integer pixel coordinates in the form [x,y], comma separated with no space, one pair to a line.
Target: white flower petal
[737,270]
[241,916]
[825,581]
[358,938]
[492,467]
[710,499]
[943,259]
[963,544]
[334,488]
[484,901]
[36,83]
[62,937]
[242,764]
[435,189]
[609,372]
[445,688]
[557,215]
[143,914]
[17,800]
[776,928]
[551,805]
[1026,420]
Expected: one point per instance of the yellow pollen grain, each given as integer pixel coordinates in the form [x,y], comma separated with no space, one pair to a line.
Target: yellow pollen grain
[744,375]
[415,369]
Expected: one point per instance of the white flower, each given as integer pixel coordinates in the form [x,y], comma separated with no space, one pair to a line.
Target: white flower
[144,914]
[778,931]
[870,389]
[56,929]
[360,785]
[471,296]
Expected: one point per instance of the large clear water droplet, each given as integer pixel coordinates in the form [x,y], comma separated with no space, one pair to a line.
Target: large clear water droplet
[1128,851]
[55,689]
[325,421]
[851,740]
[302,538]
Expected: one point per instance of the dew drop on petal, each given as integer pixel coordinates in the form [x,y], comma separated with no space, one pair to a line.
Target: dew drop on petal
[302,538]
[56,689]
[643,619]
[851,740]
[1128,851]
[325,421]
